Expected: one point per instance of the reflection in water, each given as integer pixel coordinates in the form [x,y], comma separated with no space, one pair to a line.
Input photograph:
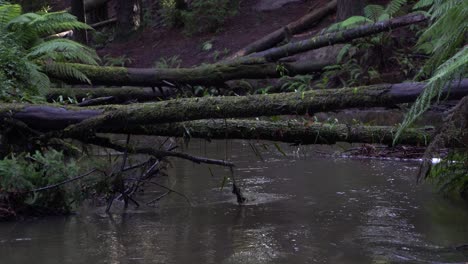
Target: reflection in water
[301,209]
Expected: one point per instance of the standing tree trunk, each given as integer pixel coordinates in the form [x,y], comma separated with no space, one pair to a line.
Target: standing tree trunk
[128,16]
[78,10]
[349,8]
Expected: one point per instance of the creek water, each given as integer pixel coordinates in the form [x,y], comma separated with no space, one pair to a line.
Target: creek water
[301,208]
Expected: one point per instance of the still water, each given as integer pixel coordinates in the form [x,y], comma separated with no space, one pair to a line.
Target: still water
[302,208]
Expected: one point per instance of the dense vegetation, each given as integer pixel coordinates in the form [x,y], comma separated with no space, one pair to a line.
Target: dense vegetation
[39,161]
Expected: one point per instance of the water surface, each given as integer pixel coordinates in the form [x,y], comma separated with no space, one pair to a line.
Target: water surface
[303,208]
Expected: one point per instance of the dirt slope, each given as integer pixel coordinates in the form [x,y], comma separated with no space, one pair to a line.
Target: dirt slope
[248,25]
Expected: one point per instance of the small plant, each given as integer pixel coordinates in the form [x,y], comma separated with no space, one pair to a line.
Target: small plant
[298,83]
[217,54]
[22,176]
[121,61]
[171,62]
[451,174]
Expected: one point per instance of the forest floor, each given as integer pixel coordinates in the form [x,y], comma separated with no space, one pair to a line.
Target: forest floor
[249,24]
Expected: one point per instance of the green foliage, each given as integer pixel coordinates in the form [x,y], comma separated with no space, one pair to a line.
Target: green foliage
[372,14]
[360,63]
[451,174]
[20,175]
[207,15]
[445,41]
[120,61]
[298,83]
[171,62]
[28,47]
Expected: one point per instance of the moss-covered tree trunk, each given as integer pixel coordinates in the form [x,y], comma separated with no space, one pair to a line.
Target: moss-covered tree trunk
[100,118]
[215,74]
[283,33]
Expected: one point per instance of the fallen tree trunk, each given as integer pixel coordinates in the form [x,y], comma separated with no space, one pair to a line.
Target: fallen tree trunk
[295,27]
[337,37]
[49,118]
[254,66]
[285,131]
[203,75]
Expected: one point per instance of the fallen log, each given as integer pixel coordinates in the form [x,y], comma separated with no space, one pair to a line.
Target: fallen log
[84,121]
[253,66]
[104,23]
[215,74]
[294,132]
[295,27]
[344,36]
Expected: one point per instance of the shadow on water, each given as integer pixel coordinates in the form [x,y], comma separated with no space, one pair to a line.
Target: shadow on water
[301,208]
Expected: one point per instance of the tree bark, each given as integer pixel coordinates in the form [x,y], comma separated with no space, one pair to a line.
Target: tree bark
[78,10]
[47,118]
[295,27]
[91,4]
[128,16]
[349,8]
[203,75]
[284,131]
[336,37]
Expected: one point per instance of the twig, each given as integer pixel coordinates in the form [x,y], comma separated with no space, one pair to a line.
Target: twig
[167,188]
[105,142]
[64,182]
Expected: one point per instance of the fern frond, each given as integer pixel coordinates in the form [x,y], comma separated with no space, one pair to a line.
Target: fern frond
[64,49]
[66,70]
[55,22]
[7,13]
[454,68]
[351,22]
[394,6]
[38,80]
[423,3]
[373,12]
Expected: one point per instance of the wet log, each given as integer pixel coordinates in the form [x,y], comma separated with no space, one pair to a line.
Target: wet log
[203,75]
[302,133]
[295,27]
[99,119]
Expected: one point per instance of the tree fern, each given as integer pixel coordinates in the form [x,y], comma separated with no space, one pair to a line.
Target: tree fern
[7,13]
[28,47]
[446,37]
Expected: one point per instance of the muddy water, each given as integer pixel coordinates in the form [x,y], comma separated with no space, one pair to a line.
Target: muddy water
[303,208]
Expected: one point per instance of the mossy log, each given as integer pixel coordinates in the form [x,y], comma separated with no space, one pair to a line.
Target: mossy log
[187,109]
[295,27]
[214,74]
[254,66]
[332,38]
[285,131]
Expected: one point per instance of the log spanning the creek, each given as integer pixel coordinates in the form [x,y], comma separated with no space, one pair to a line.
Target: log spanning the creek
[295,132]
[78,121]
